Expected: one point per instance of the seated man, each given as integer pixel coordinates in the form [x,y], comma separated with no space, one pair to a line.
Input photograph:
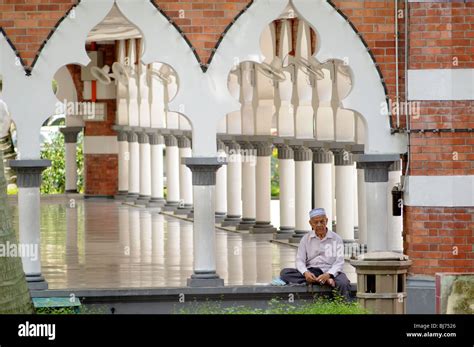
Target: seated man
[320,257]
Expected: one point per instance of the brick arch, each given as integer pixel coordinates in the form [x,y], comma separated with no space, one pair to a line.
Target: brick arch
[26,26]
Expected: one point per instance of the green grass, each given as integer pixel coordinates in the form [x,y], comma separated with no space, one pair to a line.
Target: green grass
[318,306]
[71,310]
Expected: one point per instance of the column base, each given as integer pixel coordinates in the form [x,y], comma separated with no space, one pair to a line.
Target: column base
[170,206]
[36,282]
[184,210]
[262,228]
[131,197]
[143,200]
[191,214]
[284,233]
[210,279]
[297,236]
[156,202]
[231,221]
[219,216]
[246,224]
[121,195]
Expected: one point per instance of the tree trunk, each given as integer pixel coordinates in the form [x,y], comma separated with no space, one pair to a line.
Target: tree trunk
[14,294]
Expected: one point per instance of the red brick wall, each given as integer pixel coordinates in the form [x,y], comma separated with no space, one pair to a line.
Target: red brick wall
[440,32]
[28,22]
[101,174]
[439,239]
[101,170]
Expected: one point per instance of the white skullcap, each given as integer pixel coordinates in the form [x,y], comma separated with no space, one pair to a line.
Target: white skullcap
[316,212]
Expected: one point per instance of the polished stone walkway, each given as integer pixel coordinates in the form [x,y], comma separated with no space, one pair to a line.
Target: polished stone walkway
[104,244]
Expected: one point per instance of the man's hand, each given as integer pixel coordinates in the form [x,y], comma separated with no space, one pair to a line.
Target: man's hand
[322,279]
[310,277]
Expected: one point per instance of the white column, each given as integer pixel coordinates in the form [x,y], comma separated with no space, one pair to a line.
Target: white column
[263,183]
[221,184]
[234,185]
[204,181]
[123,163]
[185,177]
[29,181]
[323,192]
[345,195]
[303,191]
[395,223]
[172,173]
[286,165]
[249,161]
[157,193]
[362,205]
[134,167]
[145,169]
[376,185]
[70,141]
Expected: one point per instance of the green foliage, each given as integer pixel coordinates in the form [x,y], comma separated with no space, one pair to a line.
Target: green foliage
[71,310]
[54,177]
[336,305]
[275,181]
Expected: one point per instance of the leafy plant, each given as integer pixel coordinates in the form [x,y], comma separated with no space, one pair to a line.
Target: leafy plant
[54,177]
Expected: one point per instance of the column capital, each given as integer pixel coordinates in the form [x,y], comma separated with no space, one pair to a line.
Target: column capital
[285,152]
[232,145]
[246,145]
[376,166]
[302,153]
[184,142]
[156,138]
[132,136]
[321,155]
[343,157]
[29,171]
[70,133]
[122,136]
[171,140]
[143,138]
[204,169]
[264,148]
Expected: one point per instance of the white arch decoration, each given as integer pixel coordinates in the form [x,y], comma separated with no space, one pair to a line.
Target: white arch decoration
[214,101]
[336,40]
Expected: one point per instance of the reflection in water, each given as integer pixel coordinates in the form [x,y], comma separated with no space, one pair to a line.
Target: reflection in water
[104,244]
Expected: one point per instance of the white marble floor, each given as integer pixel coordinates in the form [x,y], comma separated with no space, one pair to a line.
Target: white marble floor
[104,244]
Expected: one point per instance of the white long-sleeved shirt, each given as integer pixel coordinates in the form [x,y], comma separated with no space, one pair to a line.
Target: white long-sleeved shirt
[326,254]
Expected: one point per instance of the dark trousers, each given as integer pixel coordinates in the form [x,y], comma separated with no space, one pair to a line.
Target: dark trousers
[343,285]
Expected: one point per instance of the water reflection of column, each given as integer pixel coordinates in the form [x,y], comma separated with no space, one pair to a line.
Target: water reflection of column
[221,254]
[234,259]
[134,220]
[145,248]
[158,248]
[72,257]
[264,260]
[173,253]
[249,260]
[124,241]
[287,257]
[186,252]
